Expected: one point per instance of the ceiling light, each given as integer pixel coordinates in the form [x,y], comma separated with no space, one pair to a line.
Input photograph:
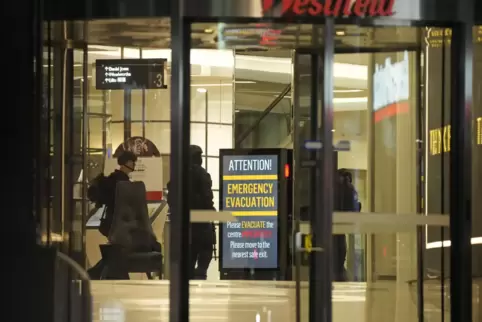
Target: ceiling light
[340,32]
[448,243]
[208,31]
[202,90]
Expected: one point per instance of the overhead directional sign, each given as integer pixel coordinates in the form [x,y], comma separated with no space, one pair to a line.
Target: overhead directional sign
[130,74]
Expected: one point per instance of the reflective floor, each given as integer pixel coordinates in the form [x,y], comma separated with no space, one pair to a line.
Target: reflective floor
[245,301]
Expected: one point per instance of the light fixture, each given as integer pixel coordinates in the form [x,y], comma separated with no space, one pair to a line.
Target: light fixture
[208,31]
[340,32]
[202,90]
[448,243]
[348,90]
[341,100]
[222,84]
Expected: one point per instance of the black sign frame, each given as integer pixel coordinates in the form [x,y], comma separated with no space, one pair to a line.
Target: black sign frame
[149,73]
[283,157]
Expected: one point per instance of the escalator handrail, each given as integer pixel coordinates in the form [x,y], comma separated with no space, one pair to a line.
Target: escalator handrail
[265,113]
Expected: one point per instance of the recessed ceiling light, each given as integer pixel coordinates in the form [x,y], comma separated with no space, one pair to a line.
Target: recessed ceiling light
[202,90]
[340,32]
[208,31]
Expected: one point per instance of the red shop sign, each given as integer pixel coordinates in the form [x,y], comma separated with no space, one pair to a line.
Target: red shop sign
[334,8]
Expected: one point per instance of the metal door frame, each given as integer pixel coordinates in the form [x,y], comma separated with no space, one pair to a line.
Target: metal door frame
[321,210]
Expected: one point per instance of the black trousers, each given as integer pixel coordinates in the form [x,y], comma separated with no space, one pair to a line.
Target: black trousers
[201,256]
[202,245]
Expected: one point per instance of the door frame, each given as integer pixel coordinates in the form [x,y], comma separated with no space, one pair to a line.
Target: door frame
[461,284]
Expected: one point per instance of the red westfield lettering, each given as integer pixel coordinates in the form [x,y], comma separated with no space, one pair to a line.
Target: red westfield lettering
[334,8]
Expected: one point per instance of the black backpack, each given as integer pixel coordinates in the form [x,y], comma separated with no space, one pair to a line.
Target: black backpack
[96,190]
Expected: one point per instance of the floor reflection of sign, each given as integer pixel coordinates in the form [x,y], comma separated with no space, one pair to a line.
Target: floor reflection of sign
[250,192]
[130,73]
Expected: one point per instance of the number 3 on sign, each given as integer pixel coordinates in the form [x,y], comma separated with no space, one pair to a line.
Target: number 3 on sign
[159,82]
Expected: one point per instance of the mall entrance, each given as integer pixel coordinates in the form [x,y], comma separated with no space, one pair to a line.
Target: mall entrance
[367,119]
[372,97]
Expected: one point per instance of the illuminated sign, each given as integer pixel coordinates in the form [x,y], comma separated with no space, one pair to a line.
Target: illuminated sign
[336,8]
[435,37]
[439,139]
[391,82]
[250,193]
[112,74]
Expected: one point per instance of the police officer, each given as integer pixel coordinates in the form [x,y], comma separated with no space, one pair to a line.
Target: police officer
[346,199]
[201,198]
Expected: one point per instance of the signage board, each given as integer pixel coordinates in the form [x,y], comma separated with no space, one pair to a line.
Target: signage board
[440,138]
[332,8]
[112,74]
[250,192]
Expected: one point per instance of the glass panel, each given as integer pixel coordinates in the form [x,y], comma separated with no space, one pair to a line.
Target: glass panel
[160,135]
[199,101]
[213,169]
[436,170]
[255,92]
[220,107]
[198,135]
[116,134]
[158,103]
[220,137]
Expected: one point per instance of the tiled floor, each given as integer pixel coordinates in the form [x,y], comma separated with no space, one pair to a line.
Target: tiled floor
[239,301]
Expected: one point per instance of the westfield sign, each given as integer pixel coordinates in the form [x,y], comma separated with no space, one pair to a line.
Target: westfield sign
[333,8]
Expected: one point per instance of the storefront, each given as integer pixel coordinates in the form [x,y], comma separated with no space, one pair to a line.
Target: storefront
[407,143]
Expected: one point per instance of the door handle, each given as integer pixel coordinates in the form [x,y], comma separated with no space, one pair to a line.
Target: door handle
[303,243]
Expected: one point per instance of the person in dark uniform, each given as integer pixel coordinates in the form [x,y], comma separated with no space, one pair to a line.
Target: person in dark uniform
[127,163]
[201,198]
[346,199]
[107,187]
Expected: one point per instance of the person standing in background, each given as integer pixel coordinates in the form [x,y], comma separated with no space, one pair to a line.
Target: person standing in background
[203,237]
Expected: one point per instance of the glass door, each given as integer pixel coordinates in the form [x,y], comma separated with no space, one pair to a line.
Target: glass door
[314,164]
[358,123]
